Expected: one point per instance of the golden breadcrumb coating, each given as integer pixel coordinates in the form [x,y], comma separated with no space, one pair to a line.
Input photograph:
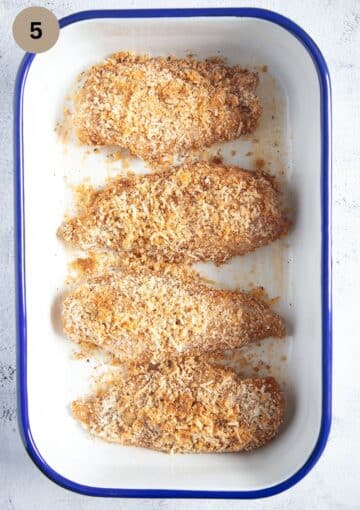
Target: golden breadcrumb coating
[148,317]
[158,107]
[184,406]
[196,212]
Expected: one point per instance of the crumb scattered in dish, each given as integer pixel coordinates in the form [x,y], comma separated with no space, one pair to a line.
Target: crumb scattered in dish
[217,159]
[85,350]
[259,164]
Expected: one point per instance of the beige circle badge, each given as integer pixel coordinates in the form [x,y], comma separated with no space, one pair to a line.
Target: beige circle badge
[36,29]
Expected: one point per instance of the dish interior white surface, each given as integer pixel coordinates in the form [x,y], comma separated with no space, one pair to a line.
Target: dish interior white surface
[290,269]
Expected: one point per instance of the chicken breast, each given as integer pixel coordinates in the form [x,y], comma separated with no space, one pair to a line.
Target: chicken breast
[147,317]
[158,107]
[184,406]
[197,212]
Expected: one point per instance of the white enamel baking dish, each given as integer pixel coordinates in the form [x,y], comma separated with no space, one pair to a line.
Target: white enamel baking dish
[48,376]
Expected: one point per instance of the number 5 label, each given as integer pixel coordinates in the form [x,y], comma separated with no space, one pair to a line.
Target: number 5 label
[36,29]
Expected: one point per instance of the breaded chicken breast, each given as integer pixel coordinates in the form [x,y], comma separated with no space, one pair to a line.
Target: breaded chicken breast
[158,107]
[148,317]
[196,212]
[184,406]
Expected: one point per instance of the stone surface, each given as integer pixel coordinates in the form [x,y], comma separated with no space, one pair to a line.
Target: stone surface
[334,482]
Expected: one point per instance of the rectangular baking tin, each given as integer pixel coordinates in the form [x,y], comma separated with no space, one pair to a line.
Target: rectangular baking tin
[326,302]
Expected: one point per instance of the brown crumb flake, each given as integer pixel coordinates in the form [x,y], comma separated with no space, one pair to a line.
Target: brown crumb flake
[85,350]
[259,164]
[84,195]
[218,159]
[83,265]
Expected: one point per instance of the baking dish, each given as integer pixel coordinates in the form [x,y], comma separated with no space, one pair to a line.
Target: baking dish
[48,378]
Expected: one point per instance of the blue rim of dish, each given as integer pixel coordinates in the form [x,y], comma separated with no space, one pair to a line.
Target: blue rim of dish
[325,98]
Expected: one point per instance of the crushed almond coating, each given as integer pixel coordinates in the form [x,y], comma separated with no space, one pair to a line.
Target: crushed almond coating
[196,212]
[149,317]
[156,106]
[184,406]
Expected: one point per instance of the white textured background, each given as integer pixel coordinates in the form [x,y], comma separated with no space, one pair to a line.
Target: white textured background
[335,482]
